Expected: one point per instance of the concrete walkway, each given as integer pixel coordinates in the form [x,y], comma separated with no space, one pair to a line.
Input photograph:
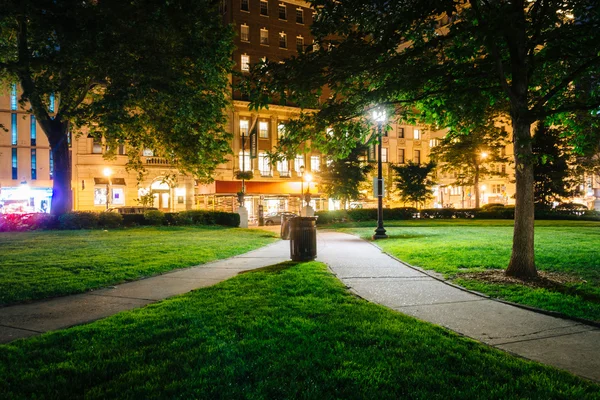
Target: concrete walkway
[379,278]
[369,273]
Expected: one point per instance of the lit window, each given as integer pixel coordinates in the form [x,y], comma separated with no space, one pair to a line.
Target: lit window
[283,168]
[13,97]
[264,7]
[245,63]
[245,5]
[264,164]
[148,152]
[299,16]
[400,156]
[15,171]
[417,134]
[97,147]
[417,157]
[245,162]
[329,132]
[299,44]
[33,164]
[244,127]
[315,163]
[384,154]
[264,36]
[298,162]
[263,130]
[282,11]
[434,142]
[13,129]
[280,131]
[282,40]
[244,33]
[33,130]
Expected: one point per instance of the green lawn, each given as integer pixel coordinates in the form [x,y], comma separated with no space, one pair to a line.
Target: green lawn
[453,247]
[42,264]
[290,331]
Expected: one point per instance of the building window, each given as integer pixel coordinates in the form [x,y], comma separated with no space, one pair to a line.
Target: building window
[245,162]
[13,97]
[15,172]
[97,146]
[245,5]
[263,130]
[245,62]
[384,154]
[434,142]
[417,134]
[280,131]
[52,102]
[244,33]
[401,133]
[148,152]
[244,127]
[283,168]
[264,36]
[299,16]
[299,44]
[282,40]
[401,156]
[33,128]
[51,165]
[13,129]
[417,157]
[33,165]
[264,7]
[121,150]
[503,169]
[264,164]
[282,12]
[298,162]
[315,163]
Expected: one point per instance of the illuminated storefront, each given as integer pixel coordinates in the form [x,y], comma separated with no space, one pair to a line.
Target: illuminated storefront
[25,199]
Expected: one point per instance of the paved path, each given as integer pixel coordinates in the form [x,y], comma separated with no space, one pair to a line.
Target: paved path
[379,278]
[369,273]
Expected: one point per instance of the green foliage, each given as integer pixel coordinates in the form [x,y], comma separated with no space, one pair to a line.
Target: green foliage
[27,222]
[32,268]
[365,214]
[110,220]
[413,181]
[203,217]
[341,178]
[247,175]
[79,220]
[154,217]
[283,332]
[154,80]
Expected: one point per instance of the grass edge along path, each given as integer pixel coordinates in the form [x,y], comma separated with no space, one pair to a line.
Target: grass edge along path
[44,264]
[289,331]
[456,247]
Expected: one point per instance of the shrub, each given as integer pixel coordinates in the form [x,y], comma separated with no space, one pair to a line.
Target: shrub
[362,214]
[328,217]
[78,220]
[154,217]
[438,213]
[507,212]
[400,213]
[110,220]
[491,206]
[133,220]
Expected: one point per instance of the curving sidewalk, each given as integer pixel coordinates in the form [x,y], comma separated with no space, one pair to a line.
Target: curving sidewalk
[380,278]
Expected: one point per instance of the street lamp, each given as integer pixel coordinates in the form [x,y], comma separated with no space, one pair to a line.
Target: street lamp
[308,178]
[301,186]
[379,116]
[107,173]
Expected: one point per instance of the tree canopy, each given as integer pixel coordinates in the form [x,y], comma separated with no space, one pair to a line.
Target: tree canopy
[450,61]
[145,73]
[414,182]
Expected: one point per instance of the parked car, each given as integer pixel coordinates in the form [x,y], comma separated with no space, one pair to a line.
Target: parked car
[275,218]
[130,209]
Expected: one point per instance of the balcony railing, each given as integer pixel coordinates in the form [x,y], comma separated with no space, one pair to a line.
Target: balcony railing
[157,161]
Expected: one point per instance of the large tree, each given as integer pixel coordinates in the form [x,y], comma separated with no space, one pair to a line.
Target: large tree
[472,155]
[530,59]
[148,73]
[341,178]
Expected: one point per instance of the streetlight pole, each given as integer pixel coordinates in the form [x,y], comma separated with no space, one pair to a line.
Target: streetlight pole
[107,174]
[379,116]
[301,187]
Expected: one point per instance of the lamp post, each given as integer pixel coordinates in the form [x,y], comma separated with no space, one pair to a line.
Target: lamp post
[379,116]
[107,173]
[301,186]
[308,178]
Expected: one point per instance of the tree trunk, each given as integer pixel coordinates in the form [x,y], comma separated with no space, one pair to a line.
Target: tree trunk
[522,260]
[62,200]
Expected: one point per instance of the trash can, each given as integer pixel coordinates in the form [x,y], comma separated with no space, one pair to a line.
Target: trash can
[285,226]
[303,238]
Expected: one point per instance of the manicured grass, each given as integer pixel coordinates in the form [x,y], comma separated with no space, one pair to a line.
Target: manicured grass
[42,264]
[283,332]
[453,247]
